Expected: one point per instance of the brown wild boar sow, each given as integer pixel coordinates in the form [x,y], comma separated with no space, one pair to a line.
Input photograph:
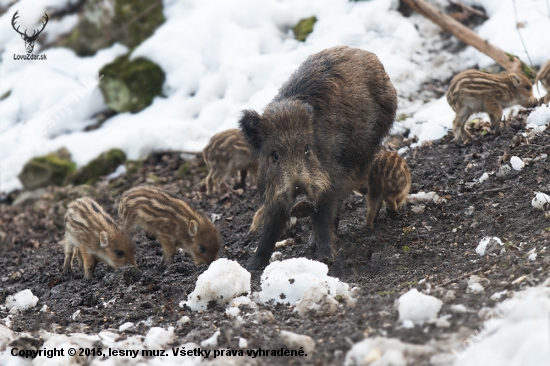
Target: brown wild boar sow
[226,154]
[172,221]
[389,182]
[315,139]
[474,91]
[544,76]
[92,236]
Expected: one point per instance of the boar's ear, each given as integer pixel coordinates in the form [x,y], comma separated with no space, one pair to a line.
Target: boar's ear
[250,126]
[515,79]
[193,228]
[103,239]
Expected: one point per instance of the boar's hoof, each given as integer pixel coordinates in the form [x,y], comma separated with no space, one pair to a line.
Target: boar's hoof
[328,260]
[255,264]
[394,215]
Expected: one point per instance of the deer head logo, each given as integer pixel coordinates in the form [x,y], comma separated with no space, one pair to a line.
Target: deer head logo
[29,40]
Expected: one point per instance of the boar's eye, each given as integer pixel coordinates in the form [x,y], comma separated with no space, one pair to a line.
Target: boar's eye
[202,248]
[119,253]
[528,87]
[275,157]
[306,150]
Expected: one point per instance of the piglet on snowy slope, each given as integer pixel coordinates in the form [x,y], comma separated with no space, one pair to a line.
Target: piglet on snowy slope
[474,91]
[315,139]
[92,236]
[172,221]
[225,154]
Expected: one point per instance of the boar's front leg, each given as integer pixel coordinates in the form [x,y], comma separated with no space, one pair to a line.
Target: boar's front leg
[325,221]
[273,226]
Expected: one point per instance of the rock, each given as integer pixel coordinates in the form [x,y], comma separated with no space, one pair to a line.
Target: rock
[303,28]
[101,23]
[43,171]
[98,167]
[296,341]
[130,86]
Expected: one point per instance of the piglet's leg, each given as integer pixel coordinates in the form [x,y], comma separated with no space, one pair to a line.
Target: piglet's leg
[495,112]
[89,264]
[168,248]
[274,225]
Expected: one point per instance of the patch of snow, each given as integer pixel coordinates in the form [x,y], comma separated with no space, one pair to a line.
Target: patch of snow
[497,295]
[425,197]
[184,320]
[243,343]
[211,342]
[316,300]
[222,281]
[541,201]
[540,116]
[458,308]
[297,341]
[288,281]
[125,326]
[385,351]
[417,307]
[517,163]
[488,244]
[22,300]
[120,170]
[159,338]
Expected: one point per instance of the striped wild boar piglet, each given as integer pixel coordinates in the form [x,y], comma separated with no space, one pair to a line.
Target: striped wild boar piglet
[92,236]
[389,182]
[474,91]
[544,77]
[172,221]
[226,154]
[315,139]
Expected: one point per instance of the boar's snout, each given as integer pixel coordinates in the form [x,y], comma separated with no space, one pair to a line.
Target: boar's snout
[302,207]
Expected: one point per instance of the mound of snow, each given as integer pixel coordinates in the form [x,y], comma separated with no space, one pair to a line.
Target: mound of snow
[417,307]
[540,116]
[488,245]
[22,300]
[541,201]
[516,163]
[222,281]
[289,280]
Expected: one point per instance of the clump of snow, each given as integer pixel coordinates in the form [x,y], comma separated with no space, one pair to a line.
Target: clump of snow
[159,338]
[503,170]
[289,280]
[184,320]
[498,295]
[385,351]
[532,255]
[458,308]
[425,197]
[541,201]
[418,209]
[120,170]
[22,300]
[243,343]
[222,281]
[488,244]
[6,336]
[211,342]
[125,326]
[540,116]
[317,300]
[297,341]
[483,178]
[417,307]
[474,286]
[517,163]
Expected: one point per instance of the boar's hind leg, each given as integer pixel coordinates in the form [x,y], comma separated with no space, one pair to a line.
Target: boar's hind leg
[459,125]
[324,221]
[274,225]
[495,112]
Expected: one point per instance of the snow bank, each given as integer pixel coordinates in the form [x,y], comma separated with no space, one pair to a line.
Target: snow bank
[540,116]
[22,300]
[488,244]
[541,201]
[222,281]
[289,280]
[417,307]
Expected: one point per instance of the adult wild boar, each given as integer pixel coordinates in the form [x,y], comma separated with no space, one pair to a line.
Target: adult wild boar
[315,139]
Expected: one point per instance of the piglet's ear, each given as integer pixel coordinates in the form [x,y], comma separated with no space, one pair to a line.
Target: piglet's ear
[515,79]
[250,126]
[103,239]
[193,228]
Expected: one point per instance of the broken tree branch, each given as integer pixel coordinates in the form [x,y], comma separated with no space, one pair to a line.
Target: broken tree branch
[507,61]
[469,8]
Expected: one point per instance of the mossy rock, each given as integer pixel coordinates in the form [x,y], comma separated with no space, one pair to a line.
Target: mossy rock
[104,22]
[130,86]
[98,167]
[43,171]
[304,28]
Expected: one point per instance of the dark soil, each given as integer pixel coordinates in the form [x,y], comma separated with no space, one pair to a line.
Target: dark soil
[437,246]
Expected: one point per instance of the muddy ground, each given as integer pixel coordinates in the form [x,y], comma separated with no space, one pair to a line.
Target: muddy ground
[436,247]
